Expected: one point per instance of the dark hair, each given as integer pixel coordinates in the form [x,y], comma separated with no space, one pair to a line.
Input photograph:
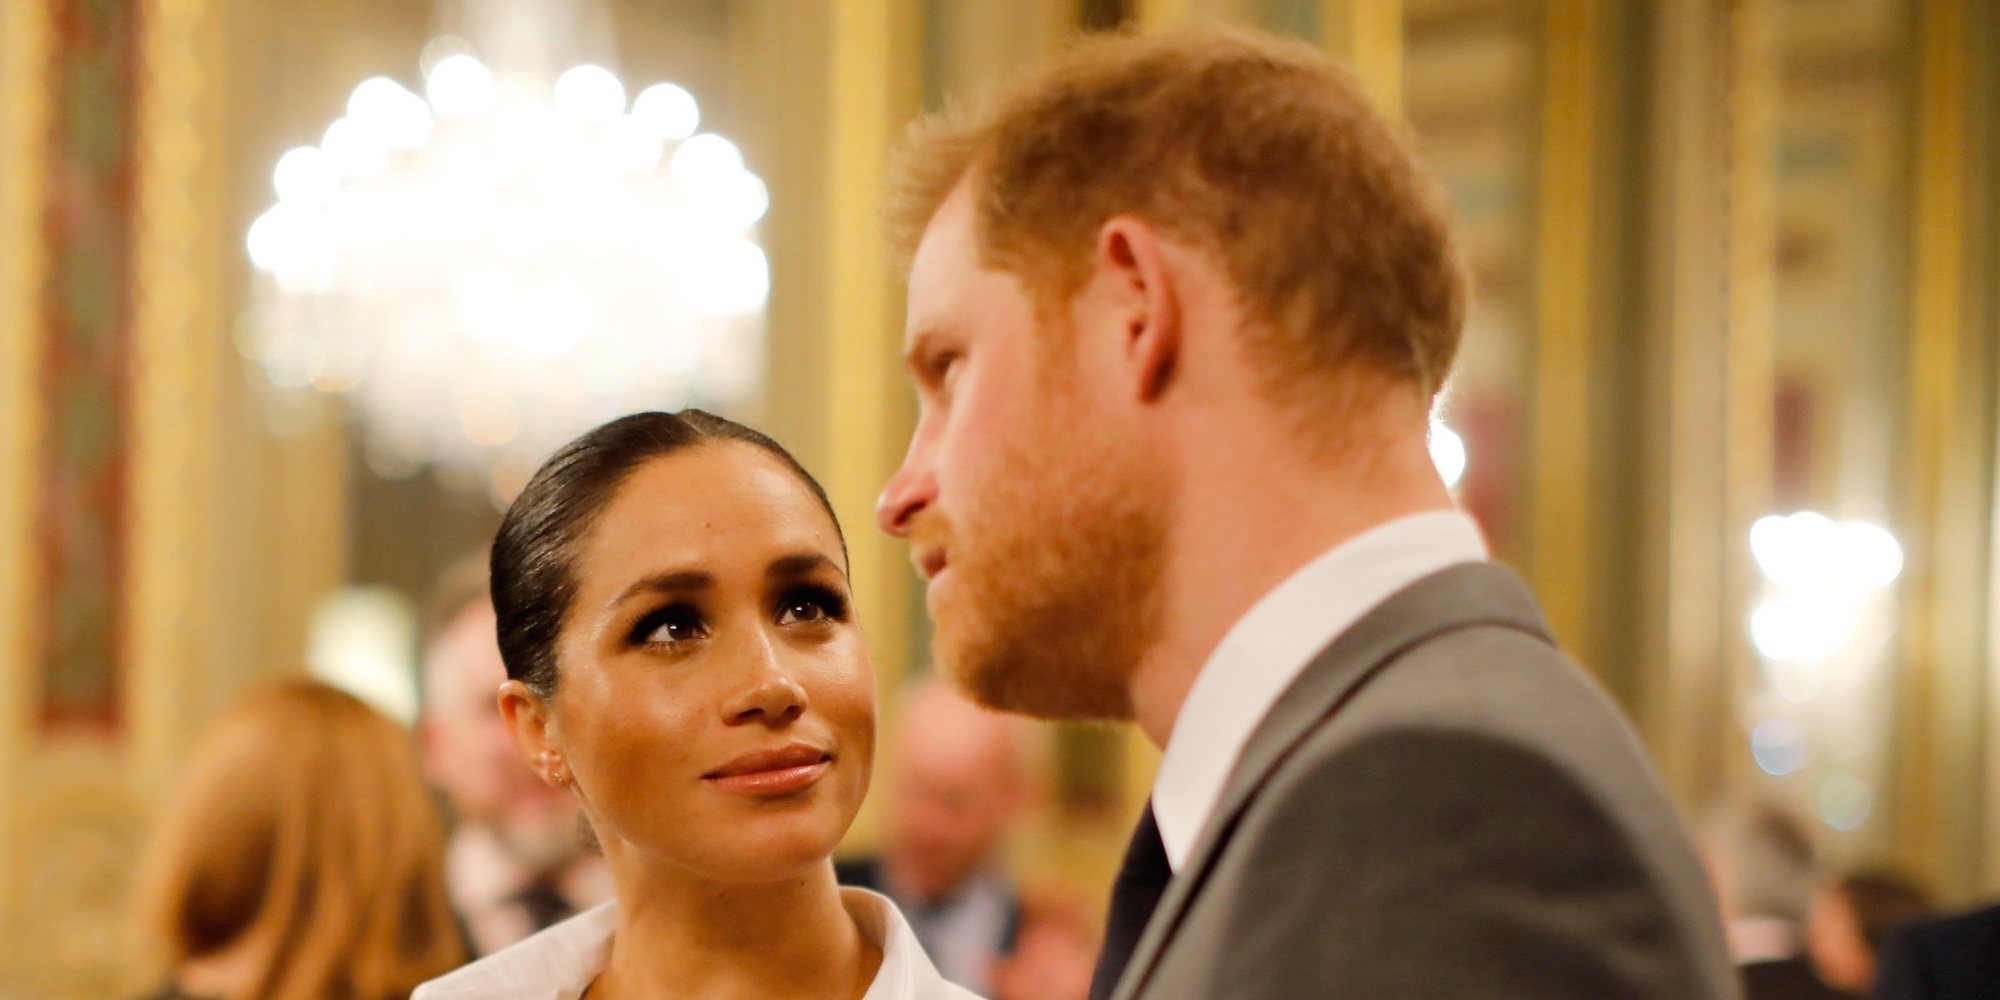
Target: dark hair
[1882,901]
[533,555]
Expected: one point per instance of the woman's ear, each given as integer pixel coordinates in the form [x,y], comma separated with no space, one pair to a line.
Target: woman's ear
[532,725]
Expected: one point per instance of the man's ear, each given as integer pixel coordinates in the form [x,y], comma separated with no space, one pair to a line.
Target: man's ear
[531,723]
[1130,256]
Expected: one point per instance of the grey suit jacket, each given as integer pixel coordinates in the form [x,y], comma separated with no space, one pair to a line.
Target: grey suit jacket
[1441,805]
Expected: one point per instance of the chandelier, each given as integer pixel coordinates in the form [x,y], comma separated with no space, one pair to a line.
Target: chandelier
[519,253]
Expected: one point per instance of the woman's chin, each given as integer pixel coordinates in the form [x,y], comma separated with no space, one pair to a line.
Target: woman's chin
[770,849]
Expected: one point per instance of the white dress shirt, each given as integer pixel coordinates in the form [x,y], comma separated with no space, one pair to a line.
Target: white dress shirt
[559,963]
[1274,642]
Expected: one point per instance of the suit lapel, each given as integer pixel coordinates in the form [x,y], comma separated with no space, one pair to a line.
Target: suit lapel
[1452,599]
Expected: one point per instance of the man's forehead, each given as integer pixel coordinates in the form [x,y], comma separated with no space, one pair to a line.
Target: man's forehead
[945,252]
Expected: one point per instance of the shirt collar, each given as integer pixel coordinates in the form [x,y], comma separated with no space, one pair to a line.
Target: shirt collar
[1275,641]
[559,963]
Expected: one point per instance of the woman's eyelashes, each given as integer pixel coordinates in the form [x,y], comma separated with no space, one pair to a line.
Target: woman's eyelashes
[676,624]
[669,626]
[810,602]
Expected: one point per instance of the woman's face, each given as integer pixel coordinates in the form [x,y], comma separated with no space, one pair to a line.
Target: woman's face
[715,703]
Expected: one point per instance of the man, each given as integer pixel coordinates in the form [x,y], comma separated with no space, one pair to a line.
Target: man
[958,786]
[1850,923]
[1765,866]
[1955,958]
[1178,306]
[515,861]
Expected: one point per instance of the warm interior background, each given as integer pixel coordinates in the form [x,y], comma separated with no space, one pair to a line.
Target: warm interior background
[1733,258]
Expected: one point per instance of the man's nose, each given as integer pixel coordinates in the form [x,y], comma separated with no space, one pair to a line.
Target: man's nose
[910,490]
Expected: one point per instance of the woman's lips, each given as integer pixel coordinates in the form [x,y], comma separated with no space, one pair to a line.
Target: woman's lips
[763,773]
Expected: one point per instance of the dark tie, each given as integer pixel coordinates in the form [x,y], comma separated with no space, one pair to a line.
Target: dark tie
[1142,880]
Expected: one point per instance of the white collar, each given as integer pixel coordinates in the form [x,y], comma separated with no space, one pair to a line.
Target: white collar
[560,962]
[1761,939]
[1275,641]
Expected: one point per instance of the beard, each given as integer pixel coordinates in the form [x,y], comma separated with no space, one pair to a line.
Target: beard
[1057,569]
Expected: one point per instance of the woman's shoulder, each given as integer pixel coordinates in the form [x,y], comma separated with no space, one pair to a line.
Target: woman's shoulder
[907,972]
[554,964]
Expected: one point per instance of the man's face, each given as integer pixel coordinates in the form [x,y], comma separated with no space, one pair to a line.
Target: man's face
[470,755]
[1035,517]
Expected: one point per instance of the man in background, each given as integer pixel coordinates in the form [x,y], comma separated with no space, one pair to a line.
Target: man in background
[1765,867]
[958,786]
[515,862]
[1954,958]
[1852,919]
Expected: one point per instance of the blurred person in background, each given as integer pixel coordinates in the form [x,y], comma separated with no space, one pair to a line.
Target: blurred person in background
[1951,958]
[1850,920]
[1765,866]
[515,860]
[960,783]
[1056,950]
[300,859]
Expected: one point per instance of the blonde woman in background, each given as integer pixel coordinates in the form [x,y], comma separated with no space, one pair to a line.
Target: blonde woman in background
[302,857]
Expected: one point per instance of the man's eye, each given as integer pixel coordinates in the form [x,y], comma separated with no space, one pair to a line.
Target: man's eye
[669,626]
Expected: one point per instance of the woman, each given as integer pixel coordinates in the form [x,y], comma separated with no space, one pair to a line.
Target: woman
[302,858]
[683,657]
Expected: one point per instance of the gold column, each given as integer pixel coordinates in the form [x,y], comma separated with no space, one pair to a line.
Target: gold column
[24,121]
[1682,685]
[1565,521]
[1750,348]
[1937,771]
[872,94]
[174,387]
[873,89]
[1368,35]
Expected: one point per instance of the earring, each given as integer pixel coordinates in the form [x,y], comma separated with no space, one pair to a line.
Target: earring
[553,762]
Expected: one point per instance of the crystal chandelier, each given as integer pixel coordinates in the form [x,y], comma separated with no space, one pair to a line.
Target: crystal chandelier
[520,253]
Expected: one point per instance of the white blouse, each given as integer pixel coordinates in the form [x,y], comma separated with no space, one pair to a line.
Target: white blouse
[560,962]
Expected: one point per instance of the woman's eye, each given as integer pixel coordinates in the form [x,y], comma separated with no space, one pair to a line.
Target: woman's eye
[670,625]
[812,604]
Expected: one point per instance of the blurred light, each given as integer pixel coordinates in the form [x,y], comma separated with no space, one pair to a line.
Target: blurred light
[1844,801]
[1779,746]
[668,111]
[734,277]
[706,160]
[1447,453]
[1797,628]
[1875,555]
[590,94]
[438,49]
[1797,680]
[394,117]
[486,273]
[460,86]
[306,176]
[363,641]
[630,147]
[353,149]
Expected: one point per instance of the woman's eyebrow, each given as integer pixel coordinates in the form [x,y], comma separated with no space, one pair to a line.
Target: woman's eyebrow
[664,583]
[798,564]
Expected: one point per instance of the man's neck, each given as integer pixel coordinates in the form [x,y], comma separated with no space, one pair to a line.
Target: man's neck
[707,939]
[1250,518]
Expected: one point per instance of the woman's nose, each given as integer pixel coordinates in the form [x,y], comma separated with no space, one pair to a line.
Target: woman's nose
[773,694]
